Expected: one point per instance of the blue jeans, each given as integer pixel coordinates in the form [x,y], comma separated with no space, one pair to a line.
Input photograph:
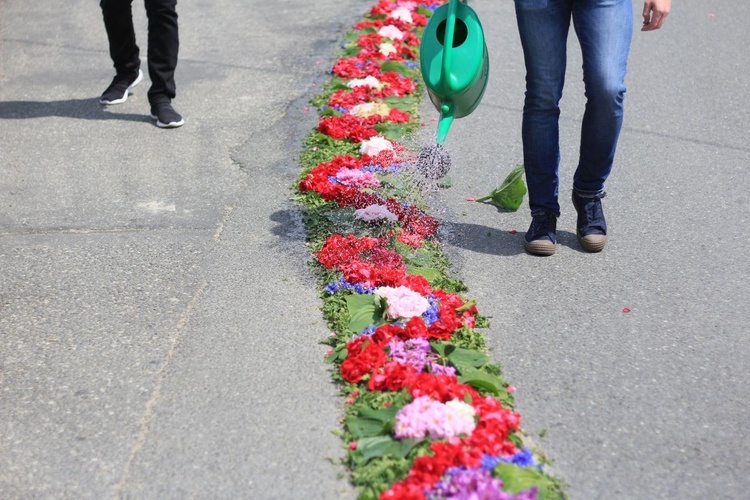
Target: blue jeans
[604,29]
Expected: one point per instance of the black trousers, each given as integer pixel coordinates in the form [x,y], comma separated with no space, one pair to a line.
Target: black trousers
[163,42]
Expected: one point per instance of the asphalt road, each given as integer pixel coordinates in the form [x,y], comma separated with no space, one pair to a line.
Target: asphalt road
[159,327]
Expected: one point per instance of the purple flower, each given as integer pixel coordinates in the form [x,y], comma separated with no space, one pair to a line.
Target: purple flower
[474,484]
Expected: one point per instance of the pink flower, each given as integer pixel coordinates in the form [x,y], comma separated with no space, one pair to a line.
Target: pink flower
[427,417]
[369,81]
[375,146]
[357,178]
[403,302]
[402,14]
[374,213]
[391,32]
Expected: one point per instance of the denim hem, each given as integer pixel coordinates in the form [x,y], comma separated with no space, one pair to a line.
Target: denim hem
[590,194]
[542,211]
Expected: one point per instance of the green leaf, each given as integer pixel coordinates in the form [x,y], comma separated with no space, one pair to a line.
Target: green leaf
[466,359]
[397,67]
[429,273]
[392,131]
[370,422]
[405,103]
[510,193]
[517,479]
[481,381]
[381,446]
[364,310]
[338,354]
[365,427]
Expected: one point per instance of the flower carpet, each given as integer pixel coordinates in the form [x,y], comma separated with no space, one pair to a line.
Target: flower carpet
[427,415]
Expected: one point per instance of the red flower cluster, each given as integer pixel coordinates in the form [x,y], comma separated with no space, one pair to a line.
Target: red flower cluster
[340,251]
[393,84]
[385,7]
[363,356]
[370,44]
[355,67]
[415,224]
[357,128]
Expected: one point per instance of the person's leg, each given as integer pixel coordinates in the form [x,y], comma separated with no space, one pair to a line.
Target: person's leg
[604,29]
[163,46]
[543,26]
[118,21]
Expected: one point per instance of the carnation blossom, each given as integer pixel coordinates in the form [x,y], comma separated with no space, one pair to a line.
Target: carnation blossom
[369,81]
[402,14]
[403,302]
[427,417]
[391,32]
[375,145]
[375,212]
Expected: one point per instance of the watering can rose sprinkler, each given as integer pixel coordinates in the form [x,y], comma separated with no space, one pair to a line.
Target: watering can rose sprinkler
[455,67]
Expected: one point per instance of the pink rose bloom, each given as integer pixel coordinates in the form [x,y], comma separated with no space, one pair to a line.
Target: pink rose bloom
[357,178]
[403,302]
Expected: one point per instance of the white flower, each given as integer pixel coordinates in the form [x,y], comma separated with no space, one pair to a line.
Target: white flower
[369,81]
[370,108]
[387,49]
[376,145]
[391,32]
[462,408]
[403,14]
[375,212]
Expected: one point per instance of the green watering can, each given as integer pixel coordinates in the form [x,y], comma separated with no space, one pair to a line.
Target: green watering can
[455,67]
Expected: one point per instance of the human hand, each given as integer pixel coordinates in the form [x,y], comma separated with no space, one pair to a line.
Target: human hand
[655,13]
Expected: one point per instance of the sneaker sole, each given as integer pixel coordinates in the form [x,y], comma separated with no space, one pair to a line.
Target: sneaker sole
[540,247]
[592,246]
[127,92]
[168,125]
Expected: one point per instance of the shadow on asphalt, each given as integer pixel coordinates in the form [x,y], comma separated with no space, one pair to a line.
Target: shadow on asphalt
[492,241]
[83,109]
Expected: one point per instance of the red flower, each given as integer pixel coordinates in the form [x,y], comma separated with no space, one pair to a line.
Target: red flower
[362,357]
[392,377]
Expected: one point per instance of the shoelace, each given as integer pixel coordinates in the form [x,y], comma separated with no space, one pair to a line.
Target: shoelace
[594,214]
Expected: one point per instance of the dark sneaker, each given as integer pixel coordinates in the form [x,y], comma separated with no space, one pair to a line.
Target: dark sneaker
[165,115]
[542,234]
[120,88]
[591,228]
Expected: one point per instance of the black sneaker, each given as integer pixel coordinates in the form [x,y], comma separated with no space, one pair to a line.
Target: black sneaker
[542,234]
[165,115]
[591,228]
[120,88]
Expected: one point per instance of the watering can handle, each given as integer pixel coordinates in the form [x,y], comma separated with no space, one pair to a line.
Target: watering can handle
[450,30]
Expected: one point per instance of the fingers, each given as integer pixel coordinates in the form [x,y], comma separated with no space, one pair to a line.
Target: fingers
[654,15]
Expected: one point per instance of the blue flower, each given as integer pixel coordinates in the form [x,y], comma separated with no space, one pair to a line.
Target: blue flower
[433,313]
[523,458]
